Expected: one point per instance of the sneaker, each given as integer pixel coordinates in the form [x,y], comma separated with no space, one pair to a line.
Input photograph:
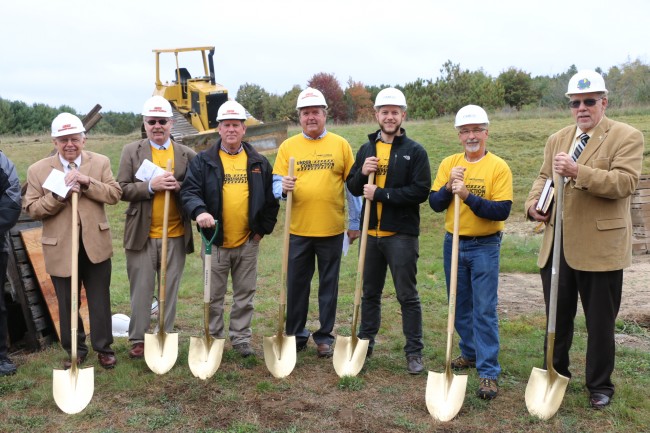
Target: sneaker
[244,349]
[414,364]
[461,363]
[487,389]
[7,367]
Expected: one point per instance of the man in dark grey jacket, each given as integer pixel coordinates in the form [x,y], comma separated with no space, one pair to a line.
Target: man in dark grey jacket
[402,182]
[233,184]
[9,213]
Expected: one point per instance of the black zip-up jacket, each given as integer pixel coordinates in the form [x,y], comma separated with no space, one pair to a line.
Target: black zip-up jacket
[202,190]
[9,200]
[408,183]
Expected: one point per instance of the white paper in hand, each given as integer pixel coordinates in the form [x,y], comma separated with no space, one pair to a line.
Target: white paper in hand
[148,170]
[55,182]
[346,243]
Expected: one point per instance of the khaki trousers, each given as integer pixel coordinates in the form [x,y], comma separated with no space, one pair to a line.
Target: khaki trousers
[241,263]
[143,267]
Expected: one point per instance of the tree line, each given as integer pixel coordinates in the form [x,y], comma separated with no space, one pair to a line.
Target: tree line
[512,89]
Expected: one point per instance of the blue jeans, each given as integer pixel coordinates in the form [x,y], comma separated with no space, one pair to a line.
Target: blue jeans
[477,322]
[399,253]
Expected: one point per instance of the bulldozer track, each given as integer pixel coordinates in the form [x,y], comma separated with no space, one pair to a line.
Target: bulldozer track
[181,127]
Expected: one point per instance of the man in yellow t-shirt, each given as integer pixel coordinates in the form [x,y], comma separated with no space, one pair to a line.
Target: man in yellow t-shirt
[144,218]
[233,184]
[483,182]
[402,182]
[323,161]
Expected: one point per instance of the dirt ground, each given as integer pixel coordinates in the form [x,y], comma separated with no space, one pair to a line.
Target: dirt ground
[522,293]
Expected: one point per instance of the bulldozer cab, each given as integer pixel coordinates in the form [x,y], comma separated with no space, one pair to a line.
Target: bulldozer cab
[195,98]
[198,97]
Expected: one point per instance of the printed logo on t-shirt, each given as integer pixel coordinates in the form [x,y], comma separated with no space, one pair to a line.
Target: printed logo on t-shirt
[235,178]
[316,164]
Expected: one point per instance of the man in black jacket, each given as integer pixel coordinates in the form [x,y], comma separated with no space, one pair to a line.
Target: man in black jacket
[233,184]
[9,213]
[402,182]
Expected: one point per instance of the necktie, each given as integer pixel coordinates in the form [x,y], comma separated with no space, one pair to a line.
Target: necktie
[580,146]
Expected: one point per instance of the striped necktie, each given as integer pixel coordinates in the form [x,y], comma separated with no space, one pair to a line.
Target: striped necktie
[580,146]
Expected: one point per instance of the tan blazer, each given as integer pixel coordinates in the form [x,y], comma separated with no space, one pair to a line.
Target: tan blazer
[41,204]
[597,226]
[138,214]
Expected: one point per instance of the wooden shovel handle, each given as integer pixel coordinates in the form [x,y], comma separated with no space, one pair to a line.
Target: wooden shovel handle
[453,281]
[74,279]
[285,252]
[163,257]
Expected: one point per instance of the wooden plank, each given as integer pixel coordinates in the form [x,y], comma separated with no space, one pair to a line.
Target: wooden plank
[32,240]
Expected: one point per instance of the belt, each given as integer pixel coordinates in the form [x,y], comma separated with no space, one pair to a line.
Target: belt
[476,238]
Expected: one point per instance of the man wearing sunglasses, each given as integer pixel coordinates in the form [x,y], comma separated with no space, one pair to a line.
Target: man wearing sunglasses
[600,161]
[145,192]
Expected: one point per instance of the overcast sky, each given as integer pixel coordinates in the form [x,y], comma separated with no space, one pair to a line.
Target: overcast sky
[82,52]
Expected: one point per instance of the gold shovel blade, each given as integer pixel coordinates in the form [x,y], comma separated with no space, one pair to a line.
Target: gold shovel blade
[280,354]
[73,388]
[445,395]
[204,357]
[545,392]
[160,351]
[348,357]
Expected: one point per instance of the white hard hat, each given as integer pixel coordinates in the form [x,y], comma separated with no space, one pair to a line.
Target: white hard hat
[231,110]
[120,324]
[586,81]
[66,124]
[471,115]
[390,96]
[311,97]
[157,106]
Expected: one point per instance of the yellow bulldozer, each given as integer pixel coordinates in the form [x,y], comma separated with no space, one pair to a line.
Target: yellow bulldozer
[196,99]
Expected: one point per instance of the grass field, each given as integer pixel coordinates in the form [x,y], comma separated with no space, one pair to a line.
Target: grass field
[244,397]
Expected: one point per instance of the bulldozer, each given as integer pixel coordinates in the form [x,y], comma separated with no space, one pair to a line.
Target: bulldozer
[196,99]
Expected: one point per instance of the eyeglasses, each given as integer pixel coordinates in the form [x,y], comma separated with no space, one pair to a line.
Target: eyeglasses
[466,132]
[588,102]
[163,122]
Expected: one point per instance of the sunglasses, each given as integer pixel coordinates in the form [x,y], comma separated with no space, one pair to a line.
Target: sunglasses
[588,102]
[163,122]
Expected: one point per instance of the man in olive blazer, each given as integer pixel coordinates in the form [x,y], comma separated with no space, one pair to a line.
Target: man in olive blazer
[597,226]
[91,177]
[144,218]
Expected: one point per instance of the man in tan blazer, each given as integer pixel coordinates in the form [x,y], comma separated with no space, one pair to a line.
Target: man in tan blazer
[89,174]
[144,218]
[597,227]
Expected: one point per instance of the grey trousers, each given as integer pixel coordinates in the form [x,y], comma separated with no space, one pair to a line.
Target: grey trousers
[241,264]
[143,267]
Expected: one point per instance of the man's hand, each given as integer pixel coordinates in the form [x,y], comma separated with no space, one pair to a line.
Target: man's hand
[205,220]
[458,187]
[457,173]
[288,184]
[353,234]
[536,215]
[370,165]
[369,191]
[565,166]
[165,182]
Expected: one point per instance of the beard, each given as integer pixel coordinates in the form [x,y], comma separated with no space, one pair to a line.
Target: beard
[390,129]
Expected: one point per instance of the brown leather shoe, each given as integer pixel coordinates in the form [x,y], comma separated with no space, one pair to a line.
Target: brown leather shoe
[324,350]
[68,363]
[137,351]
[107,360]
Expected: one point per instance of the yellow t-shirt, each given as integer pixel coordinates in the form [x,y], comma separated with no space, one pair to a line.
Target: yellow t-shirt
[319,196]
[490,178]
[235,199]
[175,225]
[383,153]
